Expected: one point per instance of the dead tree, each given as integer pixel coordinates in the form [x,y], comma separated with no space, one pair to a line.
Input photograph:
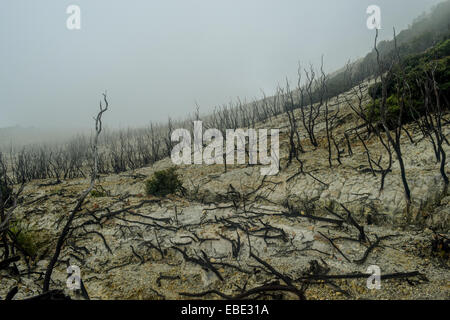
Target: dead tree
[63,235]
[431,121]
[168,138]
[382,126]
[394,141]
[360,109]
[295,145]
[9,243]
[438,128]
[311,88]
[329,119]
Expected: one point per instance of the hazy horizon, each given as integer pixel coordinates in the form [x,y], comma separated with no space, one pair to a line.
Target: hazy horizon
[157,59]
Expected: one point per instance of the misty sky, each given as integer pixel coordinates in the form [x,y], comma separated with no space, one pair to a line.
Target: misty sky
[157,58]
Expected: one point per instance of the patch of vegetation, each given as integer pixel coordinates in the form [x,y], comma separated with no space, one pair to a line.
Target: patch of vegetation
[98,194]
[61,191]
[164,182]
[440,246]
[424,32]
[25,238]
[414,68]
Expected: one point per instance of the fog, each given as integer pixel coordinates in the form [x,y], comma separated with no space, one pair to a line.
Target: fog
[159,58]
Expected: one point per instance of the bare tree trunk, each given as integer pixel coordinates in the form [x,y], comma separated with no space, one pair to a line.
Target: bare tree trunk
[65,231]
[383,116]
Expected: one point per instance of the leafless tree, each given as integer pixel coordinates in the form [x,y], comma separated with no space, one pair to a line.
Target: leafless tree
[310,110]
[94,172]
[295,145]
[361,110]
[431,121]
[394,141]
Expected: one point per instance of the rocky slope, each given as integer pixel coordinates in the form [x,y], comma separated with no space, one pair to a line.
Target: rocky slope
[236,230]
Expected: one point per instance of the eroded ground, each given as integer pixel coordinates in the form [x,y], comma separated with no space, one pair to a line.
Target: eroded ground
[237,234]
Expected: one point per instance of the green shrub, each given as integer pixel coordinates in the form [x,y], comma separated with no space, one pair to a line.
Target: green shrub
[414,67]
[98,194]
[25,238]
[163,182]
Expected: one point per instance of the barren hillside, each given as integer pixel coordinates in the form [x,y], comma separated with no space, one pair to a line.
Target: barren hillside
[310,233]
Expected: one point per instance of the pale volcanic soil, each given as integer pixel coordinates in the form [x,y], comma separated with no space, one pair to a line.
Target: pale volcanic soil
[132,246]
